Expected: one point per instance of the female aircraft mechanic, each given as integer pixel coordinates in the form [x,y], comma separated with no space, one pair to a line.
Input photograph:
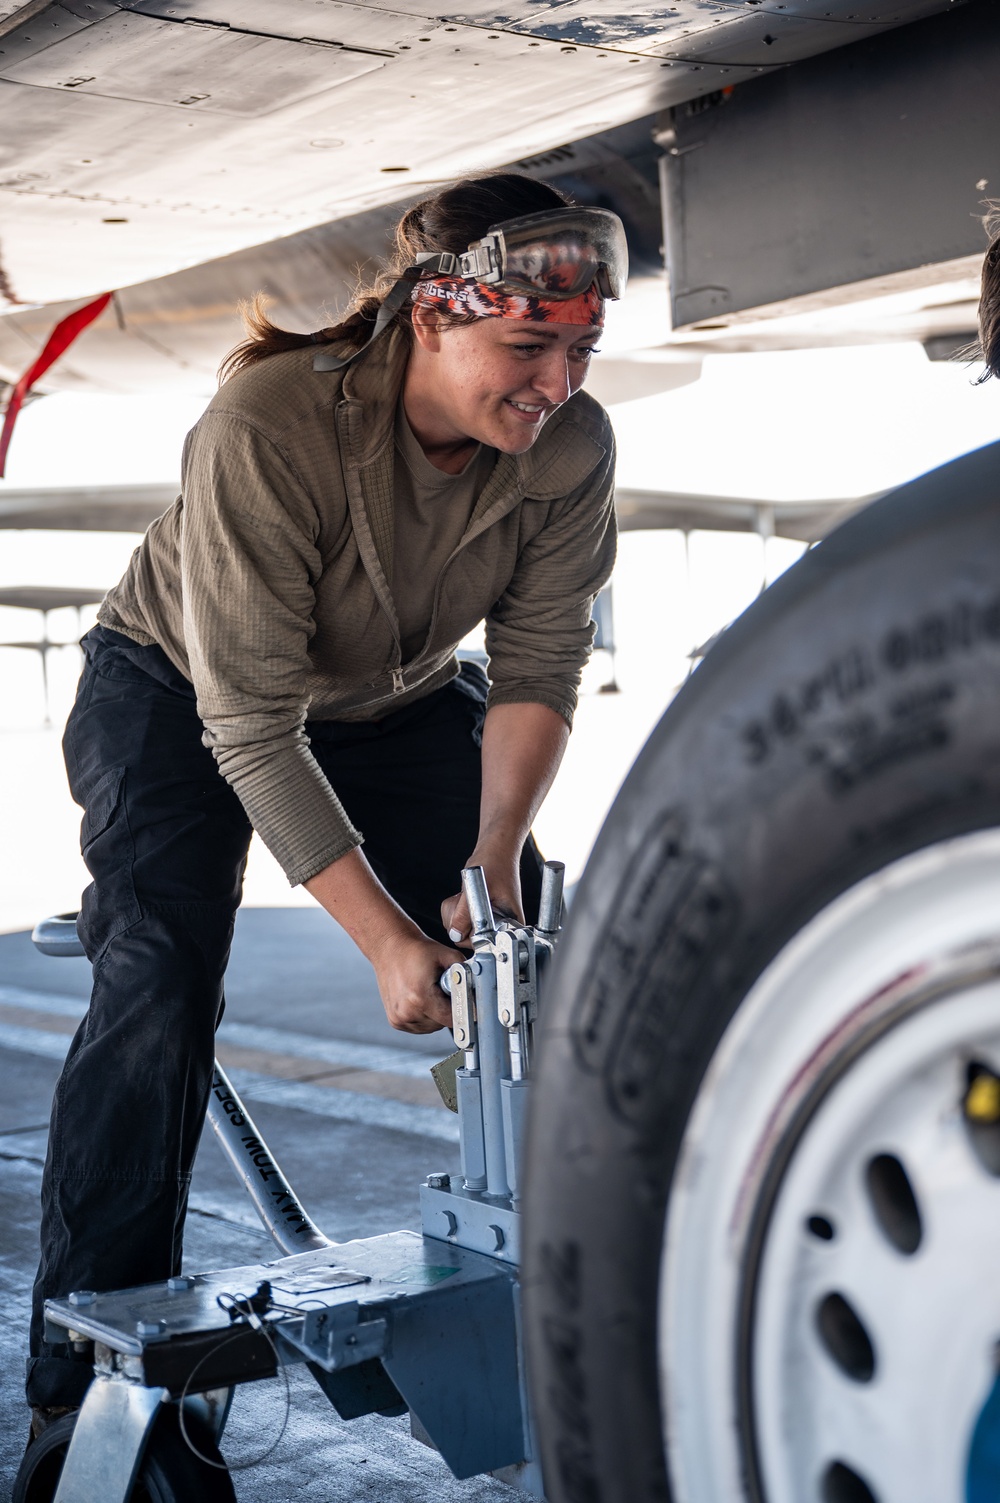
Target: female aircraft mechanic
[354,502]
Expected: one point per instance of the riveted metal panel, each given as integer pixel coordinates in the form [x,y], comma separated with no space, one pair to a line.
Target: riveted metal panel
[188,66]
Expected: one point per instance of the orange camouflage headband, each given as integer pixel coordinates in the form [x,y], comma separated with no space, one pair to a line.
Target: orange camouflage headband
[462,295]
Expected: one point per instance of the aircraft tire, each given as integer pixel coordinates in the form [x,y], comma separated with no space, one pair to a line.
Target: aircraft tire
[170,1471]
[847,724]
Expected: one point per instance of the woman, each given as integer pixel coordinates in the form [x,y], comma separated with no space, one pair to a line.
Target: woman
[348,514]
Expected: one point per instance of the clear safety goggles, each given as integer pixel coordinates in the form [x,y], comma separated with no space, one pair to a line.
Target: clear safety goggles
[555,254]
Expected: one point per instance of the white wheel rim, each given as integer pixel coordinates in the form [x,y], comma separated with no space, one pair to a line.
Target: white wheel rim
[900,977]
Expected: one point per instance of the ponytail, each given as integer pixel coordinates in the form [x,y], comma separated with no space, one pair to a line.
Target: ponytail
[448,221]
[265,338]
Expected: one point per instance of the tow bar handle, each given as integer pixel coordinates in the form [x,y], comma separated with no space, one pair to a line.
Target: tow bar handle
[494,997]
[57,935]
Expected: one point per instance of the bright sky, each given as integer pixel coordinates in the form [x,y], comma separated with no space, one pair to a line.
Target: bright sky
[803,424]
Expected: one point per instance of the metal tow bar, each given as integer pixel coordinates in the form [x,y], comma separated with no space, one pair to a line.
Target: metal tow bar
[404,1322]
[494,998]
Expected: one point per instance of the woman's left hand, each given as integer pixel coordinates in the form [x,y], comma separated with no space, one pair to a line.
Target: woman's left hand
[503,879]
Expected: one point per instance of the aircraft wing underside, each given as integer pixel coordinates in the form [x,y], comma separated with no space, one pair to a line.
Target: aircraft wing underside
[141,138]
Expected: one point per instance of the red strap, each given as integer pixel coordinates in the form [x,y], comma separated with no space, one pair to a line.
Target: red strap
[59,340]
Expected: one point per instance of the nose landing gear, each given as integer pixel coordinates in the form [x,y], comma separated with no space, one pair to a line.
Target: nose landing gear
[762,1269]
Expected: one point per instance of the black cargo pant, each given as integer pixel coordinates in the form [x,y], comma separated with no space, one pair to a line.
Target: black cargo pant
[165,839]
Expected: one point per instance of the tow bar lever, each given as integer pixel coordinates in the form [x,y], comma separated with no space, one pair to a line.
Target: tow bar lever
[494,998]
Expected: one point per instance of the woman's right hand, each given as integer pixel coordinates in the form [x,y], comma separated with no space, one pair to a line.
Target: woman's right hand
[407,964]
[408,971]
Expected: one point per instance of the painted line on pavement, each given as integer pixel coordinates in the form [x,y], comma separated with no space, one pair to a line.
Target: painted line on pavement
[59,1004]
[345,1052]
[347,1106]
[318,1100]
[33,1041]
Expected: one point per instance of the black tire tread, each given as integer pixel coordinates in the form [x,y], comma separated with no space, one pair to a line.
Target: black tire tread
[736,825]
[170,1472]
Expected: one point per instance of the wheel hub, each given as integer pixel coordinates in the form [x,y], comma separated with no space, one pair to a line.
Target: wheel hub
[877,1302]
[829,1299]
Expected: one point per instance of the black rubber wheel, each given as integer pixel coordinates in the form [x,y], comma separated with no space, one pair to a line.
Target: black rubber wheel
[170,1473]
[850,717]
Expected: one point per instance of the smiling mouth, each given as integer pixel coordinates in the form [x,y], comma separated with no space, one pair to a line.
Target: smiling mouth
[529,410]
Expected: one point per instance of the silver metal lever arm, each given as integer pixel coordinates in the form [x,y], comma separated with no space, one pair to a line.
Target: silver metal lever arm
[480,908]
[551,902]
[459,987]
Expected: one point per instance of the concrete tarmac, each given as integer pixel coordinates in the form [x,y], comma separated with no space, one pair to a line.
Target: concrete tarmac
[349,1110]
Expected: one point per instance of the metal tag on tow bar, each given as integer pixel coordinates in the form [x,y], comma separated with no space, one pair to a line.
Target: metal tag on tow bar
[317,1280]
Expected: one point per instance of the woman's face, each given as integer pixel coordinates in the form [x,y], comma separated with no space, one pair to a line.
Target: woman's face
[495,381]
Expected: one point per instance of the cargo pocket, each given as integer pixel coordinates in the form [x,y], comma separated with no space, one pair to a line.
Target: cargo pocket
[109,903]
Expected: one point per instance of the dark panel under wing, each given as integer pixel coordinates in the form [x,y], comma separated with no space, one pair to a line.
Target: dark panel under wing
[866,162]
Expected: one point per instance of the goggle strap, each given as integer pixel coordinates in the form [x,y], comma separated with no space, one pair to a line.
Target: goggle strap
[436,264]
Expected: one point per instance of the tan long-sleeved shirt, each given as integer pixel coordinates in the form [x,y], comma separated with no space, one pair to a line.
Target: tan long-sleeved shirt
[268,582]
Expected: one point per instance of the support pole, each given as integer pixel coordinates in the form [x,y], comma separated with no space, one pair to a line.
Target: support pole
[490,1034]
[492,1069]
[274,1200]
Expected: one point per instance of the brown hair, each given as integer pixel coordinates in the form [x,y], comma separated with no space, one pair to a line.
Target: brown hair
[448,221]
[988,349]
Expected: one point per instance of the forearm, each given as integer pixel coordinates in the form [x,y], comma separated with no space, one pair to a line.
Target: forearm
[407,964]
[352,894]
[523,745]
[289,802]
